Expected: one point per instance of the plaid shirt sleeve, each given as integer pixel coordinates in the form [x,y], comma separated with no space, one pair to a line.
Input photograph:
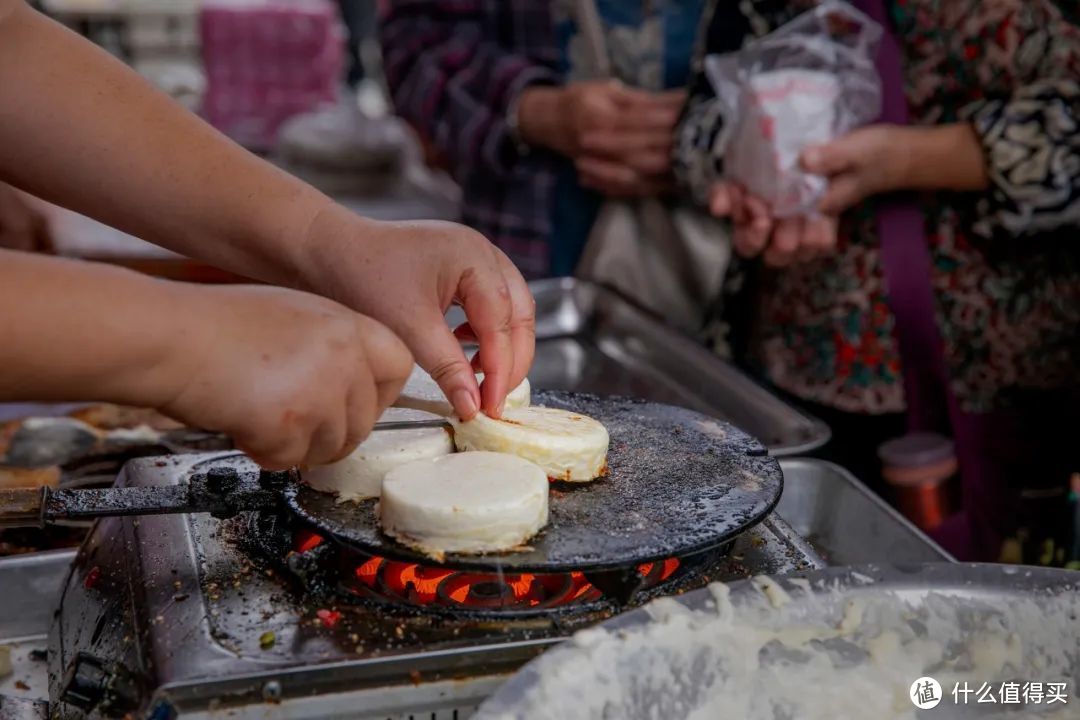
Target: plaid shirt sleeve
[453,80]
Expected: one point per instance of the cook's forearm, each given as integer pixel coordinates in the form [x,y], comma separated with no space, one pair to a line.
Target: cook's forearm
[80,129]
[73,331]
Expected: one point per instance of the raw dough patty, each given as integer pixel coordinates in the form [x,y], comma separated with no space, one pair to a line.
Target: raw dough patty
[422,393]
[361,474]
[566,445]
[466,503]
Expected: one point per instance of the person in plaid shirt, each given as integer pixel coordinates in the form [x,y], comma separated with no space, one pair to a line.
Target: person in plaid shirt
[496,88]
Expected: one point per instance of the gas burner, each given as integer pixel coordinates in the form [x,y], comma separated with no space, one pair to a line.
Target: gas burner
[352,576]
[412,585]
[189,616]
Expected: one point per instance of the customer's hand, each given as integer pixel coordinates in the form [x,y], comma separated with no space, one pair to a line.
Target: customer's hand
[293,378]
[22,227]
[619,138]
[407,275]
[888,158]
[779,242]
[863,163]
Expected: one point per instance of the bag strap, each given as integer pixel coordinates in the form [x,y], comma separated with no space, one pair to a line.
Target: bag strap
[906,261]
[587,16]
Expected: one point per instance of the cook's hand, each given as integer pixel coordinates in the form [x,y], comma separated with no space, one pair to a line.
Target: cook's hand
[22,227]
[779,242]
[407,275]
[293,378]
[619,137]
[865,162]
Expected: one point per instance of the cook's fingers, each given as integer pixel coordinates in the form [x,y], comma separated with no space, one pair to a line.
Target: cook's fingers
[328,440]
[465,334]
[360,416]
[522,320]
[442,356]
[488,301]
[274,451]
[389,362]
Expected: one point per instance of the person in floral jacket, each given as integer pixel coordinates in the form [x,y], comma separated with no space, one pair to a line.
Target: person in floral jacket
[992,149]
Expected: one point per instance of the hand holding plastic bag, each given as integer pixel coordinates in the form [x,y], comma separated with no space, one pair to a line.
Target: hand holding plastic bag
[809,82]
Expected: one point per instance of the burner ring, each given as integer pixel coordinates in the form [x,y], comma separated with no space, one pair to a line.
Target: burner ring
[484,591]
[435,589]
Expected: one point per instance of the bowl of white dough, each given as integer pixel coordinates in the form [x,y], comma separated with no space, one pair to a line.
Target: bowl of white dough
[938,640]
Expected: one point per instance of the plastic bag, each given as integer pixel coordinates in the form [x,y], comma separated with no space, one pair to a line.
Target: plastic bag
[809,82]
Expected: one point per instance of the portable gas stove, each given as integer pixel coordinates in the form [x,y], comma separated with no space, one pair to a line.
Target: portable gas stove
[189,616]
[298,607]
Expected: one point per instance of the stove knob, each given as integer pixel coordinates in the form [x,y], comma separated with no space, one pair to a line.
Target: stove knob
[90,686]
[222,480]
[85,683]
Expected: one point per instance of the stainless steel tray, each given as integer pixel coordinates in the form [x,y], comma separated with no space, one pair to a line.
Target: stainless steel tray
[590,339]
[29,593]
[845,521]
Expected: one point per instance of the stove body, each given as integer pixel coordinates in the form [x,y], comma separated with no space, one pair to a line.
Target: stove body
[175,616]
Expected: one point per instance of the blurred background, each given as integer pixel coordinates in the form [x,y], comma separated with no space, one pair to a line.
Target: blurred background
[303,84]
[297,81]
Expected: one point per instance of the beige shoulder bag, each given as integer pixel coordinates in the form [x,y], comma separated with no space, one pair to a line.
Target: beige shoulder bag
[668,256]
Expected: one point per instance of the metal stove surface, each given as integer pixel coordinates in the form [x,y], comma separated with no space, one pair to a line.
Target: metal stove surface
[168,616]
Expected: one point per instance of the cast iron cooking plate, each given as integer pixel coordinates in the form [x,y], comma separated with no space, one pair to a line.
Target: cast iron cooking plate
[678,483]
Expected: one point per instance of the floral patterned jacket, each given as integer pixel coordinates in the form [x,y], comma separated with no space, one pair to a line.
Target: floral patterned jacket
[1006,262]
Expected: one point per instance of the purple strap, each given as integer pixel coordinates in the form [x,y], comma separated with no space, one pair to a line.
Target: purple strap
[995,449]
[906,262]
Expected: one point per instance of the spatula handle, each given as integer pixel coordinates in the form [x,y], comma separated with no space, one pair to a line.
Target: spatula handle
[22,507]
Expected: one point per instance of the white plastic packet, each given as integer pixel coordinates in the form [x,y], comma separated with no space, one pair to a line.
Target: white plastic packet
[807,83]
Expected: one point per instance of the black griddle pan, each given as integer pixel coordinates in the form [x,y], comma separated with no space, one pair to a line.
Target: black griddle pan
[678,483]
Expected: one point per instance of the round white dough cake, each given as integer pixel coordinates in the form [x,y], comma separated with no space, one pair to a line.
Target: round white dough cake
[566,445]
[360,475]
[465,503]
[423,393]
